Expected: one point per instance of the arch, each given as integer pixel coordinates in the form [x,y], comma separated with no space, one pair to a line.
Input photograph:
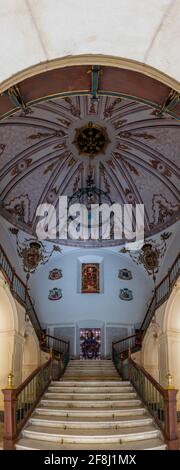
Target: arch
[171,316]
[31,352]
[107,29]
[8,327]
[150,351]
[171,327]
[90,59]
[7,304]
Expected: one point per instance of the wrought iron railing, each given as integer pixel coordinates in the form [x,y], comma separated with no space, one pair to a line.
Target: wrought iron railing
[122,346]
[18,289]
[20,402]
[29,392]
[150,391]
[161,402]
[161,294]
[20,292]
[58,345]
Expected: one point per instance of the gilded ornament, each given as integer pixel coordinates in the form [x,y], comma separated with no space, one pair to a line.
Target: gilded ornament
[91,139]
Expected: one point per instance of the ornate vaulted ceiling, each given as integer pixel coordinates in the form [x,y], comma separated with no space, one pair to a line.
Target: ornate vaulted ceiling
[63,131]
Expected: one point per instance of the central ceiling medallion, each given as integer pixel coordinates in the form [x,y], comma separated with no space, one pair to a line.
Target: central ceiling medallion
[91,139]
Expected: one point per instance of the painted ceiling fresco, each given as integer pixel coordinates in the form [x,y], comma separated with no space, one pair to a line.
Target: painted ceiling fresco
[135,160]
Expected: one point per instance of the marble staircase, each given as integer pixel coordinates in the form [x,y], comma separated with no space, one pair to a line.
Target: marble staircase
[90,408]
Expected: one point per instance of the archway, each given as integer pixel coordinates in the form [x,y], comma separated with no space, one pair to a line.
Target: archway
[171,327]
[46,39]
[8,329]
[30,352]
[150,351]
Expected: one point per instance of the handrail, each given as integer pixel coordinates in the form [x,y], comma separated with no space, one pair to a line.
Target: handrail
[18,289]
[122,347]
[20,292]
[58,345]
[20,402]
[127,337]
[149,377]
[56,338]
[161,402]
[31,376]
[161,294]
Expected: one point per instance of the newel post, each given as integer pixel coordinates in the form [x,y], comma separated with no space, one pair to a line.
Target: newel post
[10,428]
[170,424]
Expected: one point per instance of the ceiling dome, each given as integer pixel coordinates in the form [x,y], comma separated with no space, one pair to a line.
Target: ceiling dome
[62,146]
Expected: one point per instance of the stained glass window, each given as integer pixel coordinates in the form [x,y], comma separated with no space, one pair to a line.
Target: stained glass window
[90,343]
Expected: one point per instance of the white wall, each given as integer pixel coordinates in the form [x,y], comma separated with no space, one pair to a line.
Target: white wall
[13,329]
[43,31]
[161,346]
[105,310]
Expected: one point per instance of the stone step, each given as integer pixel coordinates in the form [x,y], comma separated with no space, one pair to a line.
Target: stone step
[90,396]
[88,378]
[95,366]
[96,383]
[90,406]
[84,366]
[93,363]
[89,370]
[99,414]
[87,390]
[91,375]
[92,436]
[90,403]
[91,423]
[90,364]
[35,444]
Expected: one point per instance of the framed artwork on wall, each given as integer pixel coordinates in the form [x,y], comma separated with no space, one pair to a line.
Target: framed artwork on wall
[90,278]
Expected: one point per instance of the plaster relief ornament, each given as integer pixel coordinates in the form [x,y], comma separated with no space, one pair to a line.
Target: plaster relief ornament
[125,274]
[129,165]
[33,252]
[55,294]
[150,254]
[55,274]
[91,139]
[19,208]
[2,147]
[126,294]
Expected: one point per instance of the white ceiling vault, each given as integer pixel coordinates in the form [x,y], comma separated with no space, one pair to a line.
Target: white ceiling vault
[43,32]
[49,52]
[39,160]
